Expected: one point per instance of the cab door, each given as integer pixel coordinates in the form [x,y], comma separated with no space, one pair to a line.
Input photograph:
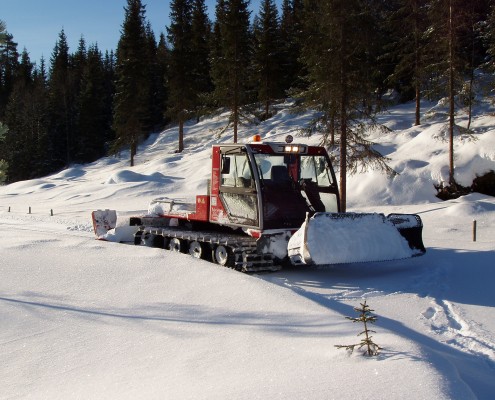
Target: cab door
[236,189]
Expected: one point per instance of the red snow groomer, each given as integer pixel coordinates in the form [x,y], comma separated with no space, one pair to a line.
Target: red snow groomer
[268,204]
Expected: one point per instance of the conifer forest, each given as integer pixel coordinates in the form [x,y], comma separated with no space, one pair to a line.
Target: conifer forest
[339,57]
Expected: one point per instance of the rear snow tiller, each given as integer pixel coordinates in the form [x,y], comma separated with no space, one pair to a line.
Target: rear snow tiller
[268,204]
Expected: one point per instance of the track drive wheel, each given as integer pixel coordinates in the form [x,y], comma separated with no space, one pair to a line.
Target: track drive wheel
[198,250]
[137,237]
[224,256]
[176,244]
[151,240]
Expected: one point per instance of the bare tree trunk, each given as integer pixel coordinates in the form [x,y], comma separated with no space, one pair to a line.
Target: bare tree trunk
[236,119]
[332,129]
[181,134]
[267,102]
[471,81]
[133,151]
[451,97]
[343,120]
[343,156]
[418,106]
[470,101]
[416,65]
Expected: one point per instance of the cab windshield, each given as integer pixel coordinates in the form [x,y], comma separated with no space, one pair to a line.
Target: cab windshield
[293,185]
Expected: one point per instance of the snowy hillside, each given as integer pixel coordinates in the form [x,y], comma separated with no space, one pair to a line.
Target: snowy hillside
[89,319]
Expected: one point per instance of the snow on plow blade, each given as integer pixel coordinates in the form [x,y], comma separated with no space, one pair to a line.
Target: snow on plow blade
[106,227]
[339,238]
[103,221]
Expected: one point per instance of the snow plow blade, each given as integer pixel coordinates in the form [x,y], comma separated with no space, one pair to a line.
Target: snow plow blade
[107,228]
[103,221]
[341,238]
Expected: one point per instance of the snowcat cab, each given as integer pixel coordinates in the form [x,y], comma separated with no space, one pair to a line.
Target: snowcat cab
[270,186]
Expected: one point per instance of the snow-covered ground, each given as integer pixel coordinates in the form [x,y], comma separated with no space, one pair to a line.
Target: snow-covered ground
[86,319]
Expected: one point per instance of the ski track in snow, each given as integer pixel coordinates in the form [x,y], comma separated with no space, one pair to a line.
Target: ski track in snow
[445,320]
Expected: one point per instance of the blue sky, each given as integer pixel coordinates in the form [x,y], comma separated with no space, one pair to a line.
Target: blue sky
[36,24]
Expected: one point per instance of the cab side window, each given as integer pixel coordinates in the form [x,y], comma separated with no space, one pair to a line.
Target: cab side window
[235,171]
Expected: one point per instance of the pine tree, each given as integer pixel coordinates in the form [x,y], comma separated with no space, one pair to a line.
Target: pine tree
[130,115]
[409,23]
[156,82]
[109,93]
[40,119]
[3,163]
[292,37]
[3,128]
[232,56]
[366,317]
[338,61]
[21,140]
[3,32]
[267,55]
[162,61]
[26,113]
[9,61]
[62,105]
[181,98]
[93,117]
[200,47]
[446,64]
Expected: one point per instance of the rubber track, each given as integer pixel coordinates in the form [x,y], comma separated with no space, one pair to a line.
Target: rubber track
[246,256]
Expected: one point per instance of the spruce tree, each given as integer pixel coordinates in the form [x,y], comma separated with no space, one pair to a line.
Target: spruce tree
[3,32]
[338,61]
[3,128]
[24,132]
[62,105]
[130,113]
[409,23]
[446,64]
[232,58]
[109,93]
[156,81]
[9,61]
[181,98]
[40,119]
[93,118]
[162,61]
[267,55]
[200,47]
[292,38]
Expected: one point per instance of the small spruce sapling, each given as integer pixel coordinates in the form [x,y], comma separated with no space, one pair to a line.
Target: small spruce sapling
[365,317]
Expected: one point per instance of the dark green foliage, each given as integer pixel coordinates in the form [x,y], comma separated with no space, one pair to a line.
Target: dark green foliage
[62,100]
[93,122]
[131,101]
[366,317]
[338,57]
[292,38]
[231,57]
[200,46]
[181,98]
[8,66]
[408,23]
[161,76]
[157,91]
[3,164]
[267,54]
[26,114]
